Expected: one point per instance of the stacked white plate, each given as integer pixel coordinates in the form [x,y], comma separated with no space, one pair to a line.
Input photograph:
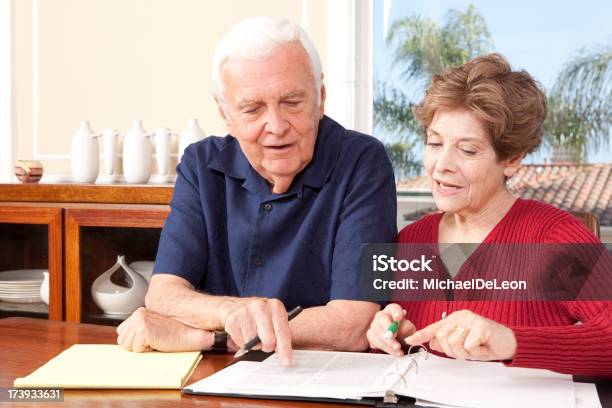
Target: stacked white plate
[21,286]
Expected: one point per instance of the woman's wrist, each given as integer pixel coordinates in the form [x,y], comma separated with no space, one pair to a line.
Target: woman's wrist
[512,344]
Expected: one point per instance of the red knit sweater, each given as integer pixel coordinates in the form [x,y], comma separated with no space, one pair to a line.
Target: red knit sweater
[546,331]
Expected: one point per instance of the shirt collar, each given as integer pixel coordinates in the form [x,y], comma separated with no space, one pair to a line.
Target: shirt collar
[231,161]
[326,151]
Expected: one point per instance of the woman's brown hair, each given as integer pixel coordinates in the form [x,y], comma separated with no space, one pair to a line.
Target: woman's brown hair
[510,104]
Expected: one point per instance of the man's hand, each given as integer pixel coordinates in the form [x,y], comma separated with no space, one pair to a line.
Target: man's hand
[266,318]
[339,325]
[467,336]
[146,330]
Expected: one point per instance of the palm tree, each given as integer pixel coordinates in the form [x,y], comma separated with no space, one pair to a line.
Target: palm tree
[580,103]
[424,48]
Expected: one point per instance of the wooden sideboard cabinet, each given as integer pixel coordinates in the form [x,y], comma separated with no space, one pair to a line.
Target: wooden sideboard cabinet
[95,235]
[31,238]
[76,231]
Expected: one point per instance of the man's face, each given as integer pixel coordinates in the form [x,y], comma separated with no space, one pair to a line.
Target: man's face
[271,109]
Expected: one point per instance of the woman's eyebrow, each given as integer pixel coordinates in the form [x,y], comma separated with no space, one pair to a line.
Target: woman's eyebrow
[432,132]
[470,139]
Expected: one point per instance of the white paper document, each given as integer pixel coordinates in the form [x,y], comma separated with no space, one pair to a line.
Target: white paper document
[436,380]
[586,395]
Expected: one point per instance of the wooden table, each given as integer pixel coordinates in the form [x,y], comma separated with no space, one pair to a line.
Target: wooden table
[27,343]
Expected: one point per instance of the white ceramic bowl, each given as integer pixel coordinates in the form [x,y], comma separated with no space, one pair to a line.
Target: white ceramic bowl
[44,288]
[144,268]
[119,300]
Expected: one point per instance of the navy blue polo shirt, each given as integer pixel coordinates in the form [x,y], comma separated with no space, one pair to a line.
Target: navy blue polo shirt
[228,234]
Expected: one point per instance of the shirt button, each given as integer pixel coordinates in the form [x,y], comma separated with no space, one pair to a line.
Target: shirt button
[268,207]
[258,262]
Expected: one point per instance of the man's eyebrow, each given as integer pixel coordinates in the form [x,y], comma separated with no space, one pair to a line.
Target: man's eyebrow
[250,101]
[293,94]
[246,102]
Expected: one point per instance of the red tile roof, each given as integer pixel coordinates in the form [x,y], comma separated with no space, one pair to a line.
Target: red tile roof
[572,187]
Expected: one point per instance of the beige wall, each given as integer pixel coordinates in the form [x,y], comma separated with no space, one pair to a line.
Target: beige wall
[113,61]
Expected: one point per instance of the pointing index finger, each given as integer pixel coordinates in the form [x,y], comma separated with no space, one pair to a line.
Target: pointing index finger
[283,335]
[425,334]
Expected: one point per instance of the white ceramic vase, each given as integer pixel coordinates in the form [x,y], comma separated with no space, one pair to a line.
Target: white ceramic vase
[109,144]
[85,154]
[119,300]
[192,133]
[144,268]
[137,154]
[163,140]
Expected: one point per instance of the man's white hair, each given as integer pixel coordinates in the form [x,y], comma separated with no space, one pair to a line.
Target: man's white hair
[257,37]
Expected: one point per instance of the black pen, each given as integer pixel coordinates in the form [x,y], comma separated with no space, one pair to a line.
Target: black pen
[256,340]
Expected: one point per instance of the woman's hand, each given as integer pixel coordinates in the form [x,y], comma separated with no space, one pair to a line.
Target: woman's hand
[465,335]
[380,324]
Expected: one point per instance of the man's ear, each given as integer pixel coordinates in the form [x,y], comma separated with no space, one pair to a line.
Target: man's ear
[513,164]
[222,112]
[323,95]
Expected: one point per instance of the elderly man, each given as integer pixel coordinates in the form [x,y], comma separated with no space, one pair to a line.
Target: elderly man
[271,216]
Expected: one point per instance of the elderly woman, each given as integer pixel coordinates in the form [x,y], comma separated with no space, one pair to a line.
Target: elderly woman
[479,121]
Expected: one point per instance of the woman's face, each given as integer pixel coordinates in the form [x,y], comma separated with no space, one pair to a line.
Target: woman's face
[462,166]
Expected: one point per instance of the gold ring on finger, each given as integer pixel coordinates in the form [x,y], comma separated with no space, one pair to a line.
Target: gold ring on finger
[462,331]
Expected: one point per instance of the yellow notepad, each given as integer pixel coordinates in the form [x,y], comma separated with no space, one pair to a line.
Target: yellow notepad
[110,366]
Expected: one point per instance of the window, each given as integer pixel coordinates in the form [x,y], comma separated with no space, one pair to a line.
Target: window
[568,48]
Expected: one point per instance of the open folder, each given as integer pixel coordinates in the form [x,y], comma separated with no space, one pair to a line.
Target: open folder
[110,366]
[367,378]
